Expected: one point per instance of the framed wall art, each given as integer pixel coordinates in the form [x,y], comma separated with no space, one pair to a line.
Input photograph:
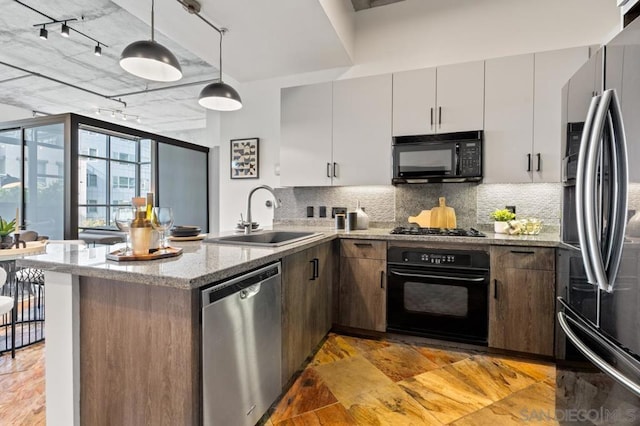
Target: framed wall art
[244,158]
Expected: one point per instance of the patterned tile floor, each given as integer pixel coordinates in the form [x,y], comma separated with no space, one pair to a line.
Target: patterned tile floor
[352,381]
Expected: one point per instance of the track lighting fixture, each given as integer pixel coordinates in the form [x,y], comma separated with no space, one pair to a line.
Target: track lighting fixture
[149,59]
[64,31]
[117,113]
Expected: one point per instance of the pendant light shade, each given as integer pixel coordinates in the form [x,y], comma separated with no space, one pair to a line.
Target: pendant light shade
[220,96]
[149,59]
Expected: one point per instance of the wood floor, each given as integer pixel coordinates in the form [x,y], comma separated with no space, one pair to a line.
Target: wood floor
[353,381]
[22,387]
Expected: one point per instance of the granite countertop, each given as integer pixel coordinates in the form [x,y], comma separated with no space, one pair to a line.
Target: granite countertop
[204,263]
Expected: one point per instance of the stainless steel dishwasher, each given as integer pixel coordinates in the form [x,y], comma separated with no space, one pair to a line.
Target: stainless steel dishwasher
[241,347]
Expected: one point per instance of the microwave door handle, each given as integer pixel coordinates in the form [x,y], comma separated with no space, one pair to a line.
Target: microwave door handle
[457,160]
[581,187]
[620,178]
[591,189]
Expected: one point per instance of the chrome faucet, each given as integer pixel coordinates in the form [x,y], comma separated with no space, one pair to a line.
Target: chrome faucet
[276,204]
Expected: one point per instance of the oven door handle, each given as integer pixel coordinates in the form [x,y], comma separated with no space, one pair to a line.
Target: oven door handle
[439,277]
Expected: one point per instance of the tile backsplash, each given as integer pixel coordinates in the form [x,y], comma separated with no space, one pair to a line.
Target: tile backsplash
[389,205]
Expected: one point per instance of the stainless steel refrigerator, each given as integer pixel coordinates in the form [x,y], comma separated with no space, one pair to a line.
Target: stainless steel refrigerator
[598,315]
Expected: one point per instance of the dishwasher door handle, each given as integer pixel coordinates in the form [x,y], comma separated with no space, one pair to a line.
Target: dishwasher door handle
[249,292]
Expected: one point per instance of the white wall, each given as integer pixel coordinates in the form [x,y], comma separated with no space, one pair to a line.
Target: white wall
[10,113]
[466,30]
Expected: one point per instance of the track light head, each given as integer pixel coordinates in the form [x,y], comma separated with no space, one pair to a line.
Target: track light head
[64,31]
[97,50]
[44,34]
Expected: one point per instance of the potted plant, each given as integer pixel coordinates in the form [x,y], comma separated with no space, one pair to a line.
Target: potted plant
[6,228]
[502,218]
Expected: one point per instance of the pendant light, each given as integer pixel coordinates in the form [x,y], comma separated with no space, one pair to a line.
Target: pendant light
[220,96]
[149,59]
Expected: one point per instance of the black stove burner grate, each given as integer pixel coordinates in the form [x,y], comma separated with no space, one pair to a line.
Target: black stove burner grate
[455,232]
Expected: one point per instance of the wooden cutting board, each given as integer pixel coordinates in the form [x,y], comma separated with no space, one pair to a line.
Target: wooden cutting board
[443,216]
[423,219]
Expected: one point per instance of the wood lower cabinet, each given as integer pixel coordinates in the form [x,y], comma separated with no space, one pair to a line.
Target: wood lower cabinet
[306,304]
[522,299]
[363,282]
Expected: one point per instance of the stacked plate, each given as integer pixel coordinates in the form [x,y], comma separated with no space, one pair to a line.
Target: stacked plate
[185,233]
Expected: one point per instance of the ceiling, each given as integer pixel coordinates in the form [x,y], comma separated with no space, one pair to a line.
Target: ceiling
[262,42]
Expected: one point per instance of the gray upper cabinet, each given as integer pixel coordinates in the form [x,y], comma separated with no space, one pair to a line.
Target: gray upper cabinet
[508,126]
[523,100]
[362,131]
[306,135]
[552,70]
[336,133]
[414,102]
[439,100]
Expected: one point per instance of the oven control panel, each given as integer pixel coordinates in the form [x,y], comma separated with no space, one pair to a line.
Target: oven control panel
[431,258]
[415,256]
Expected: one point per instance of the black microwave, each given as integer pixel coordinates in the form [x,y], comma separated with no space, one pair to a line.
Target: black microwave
[448,157]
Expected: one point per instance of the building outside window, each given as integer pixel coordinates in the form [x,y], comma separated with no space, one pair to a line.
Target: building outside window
[116,169]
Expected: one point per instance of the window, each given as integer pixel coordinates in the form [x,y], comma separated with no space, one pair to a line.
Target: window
[42,167]
[114,167]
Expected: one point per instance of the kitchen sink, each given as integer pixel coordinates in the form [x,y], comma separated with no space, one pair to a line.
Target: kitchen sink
[264,239]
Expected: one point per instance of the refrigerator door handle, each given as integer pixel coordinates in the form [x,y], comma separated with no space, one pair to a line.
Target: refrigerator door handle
[593,357]
[580,189]
[591,201]
[621,181]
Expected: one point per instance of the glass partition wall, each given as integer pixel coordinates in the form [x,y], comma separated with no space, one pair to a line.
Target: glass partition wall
[69,172]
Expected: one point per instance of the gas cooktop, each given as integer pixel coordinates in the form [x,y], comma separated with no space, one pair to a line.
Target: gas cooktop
[455,232]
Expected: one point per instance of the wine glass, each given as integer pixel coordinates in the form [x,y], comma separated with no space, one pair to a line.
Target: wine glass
[161,220]
[123,218]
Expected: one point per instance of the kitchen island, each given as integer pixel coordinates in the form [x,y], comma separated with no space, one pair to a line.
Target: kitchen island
[123,338]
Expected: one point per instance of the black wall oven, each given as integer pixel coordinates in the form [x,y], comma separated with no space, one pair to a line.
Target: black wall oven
[438,293]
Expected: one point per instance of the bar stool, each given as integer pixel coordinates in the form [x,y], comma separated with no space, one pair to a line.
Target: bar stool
[6,303]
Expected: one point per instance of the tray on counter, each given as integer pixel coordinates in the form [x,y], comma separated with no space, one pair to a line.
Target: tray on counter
[154,254]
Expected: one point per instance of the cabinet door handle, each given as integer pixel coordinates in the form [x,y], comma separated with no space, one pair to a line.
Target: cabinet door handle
[313,270]
[495,289]
[432,117]
[538,156]
[440,116]
[328,170]
[363,244]
[528,162]
[382,280]
[317,267]
[335,170]
[523,252]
